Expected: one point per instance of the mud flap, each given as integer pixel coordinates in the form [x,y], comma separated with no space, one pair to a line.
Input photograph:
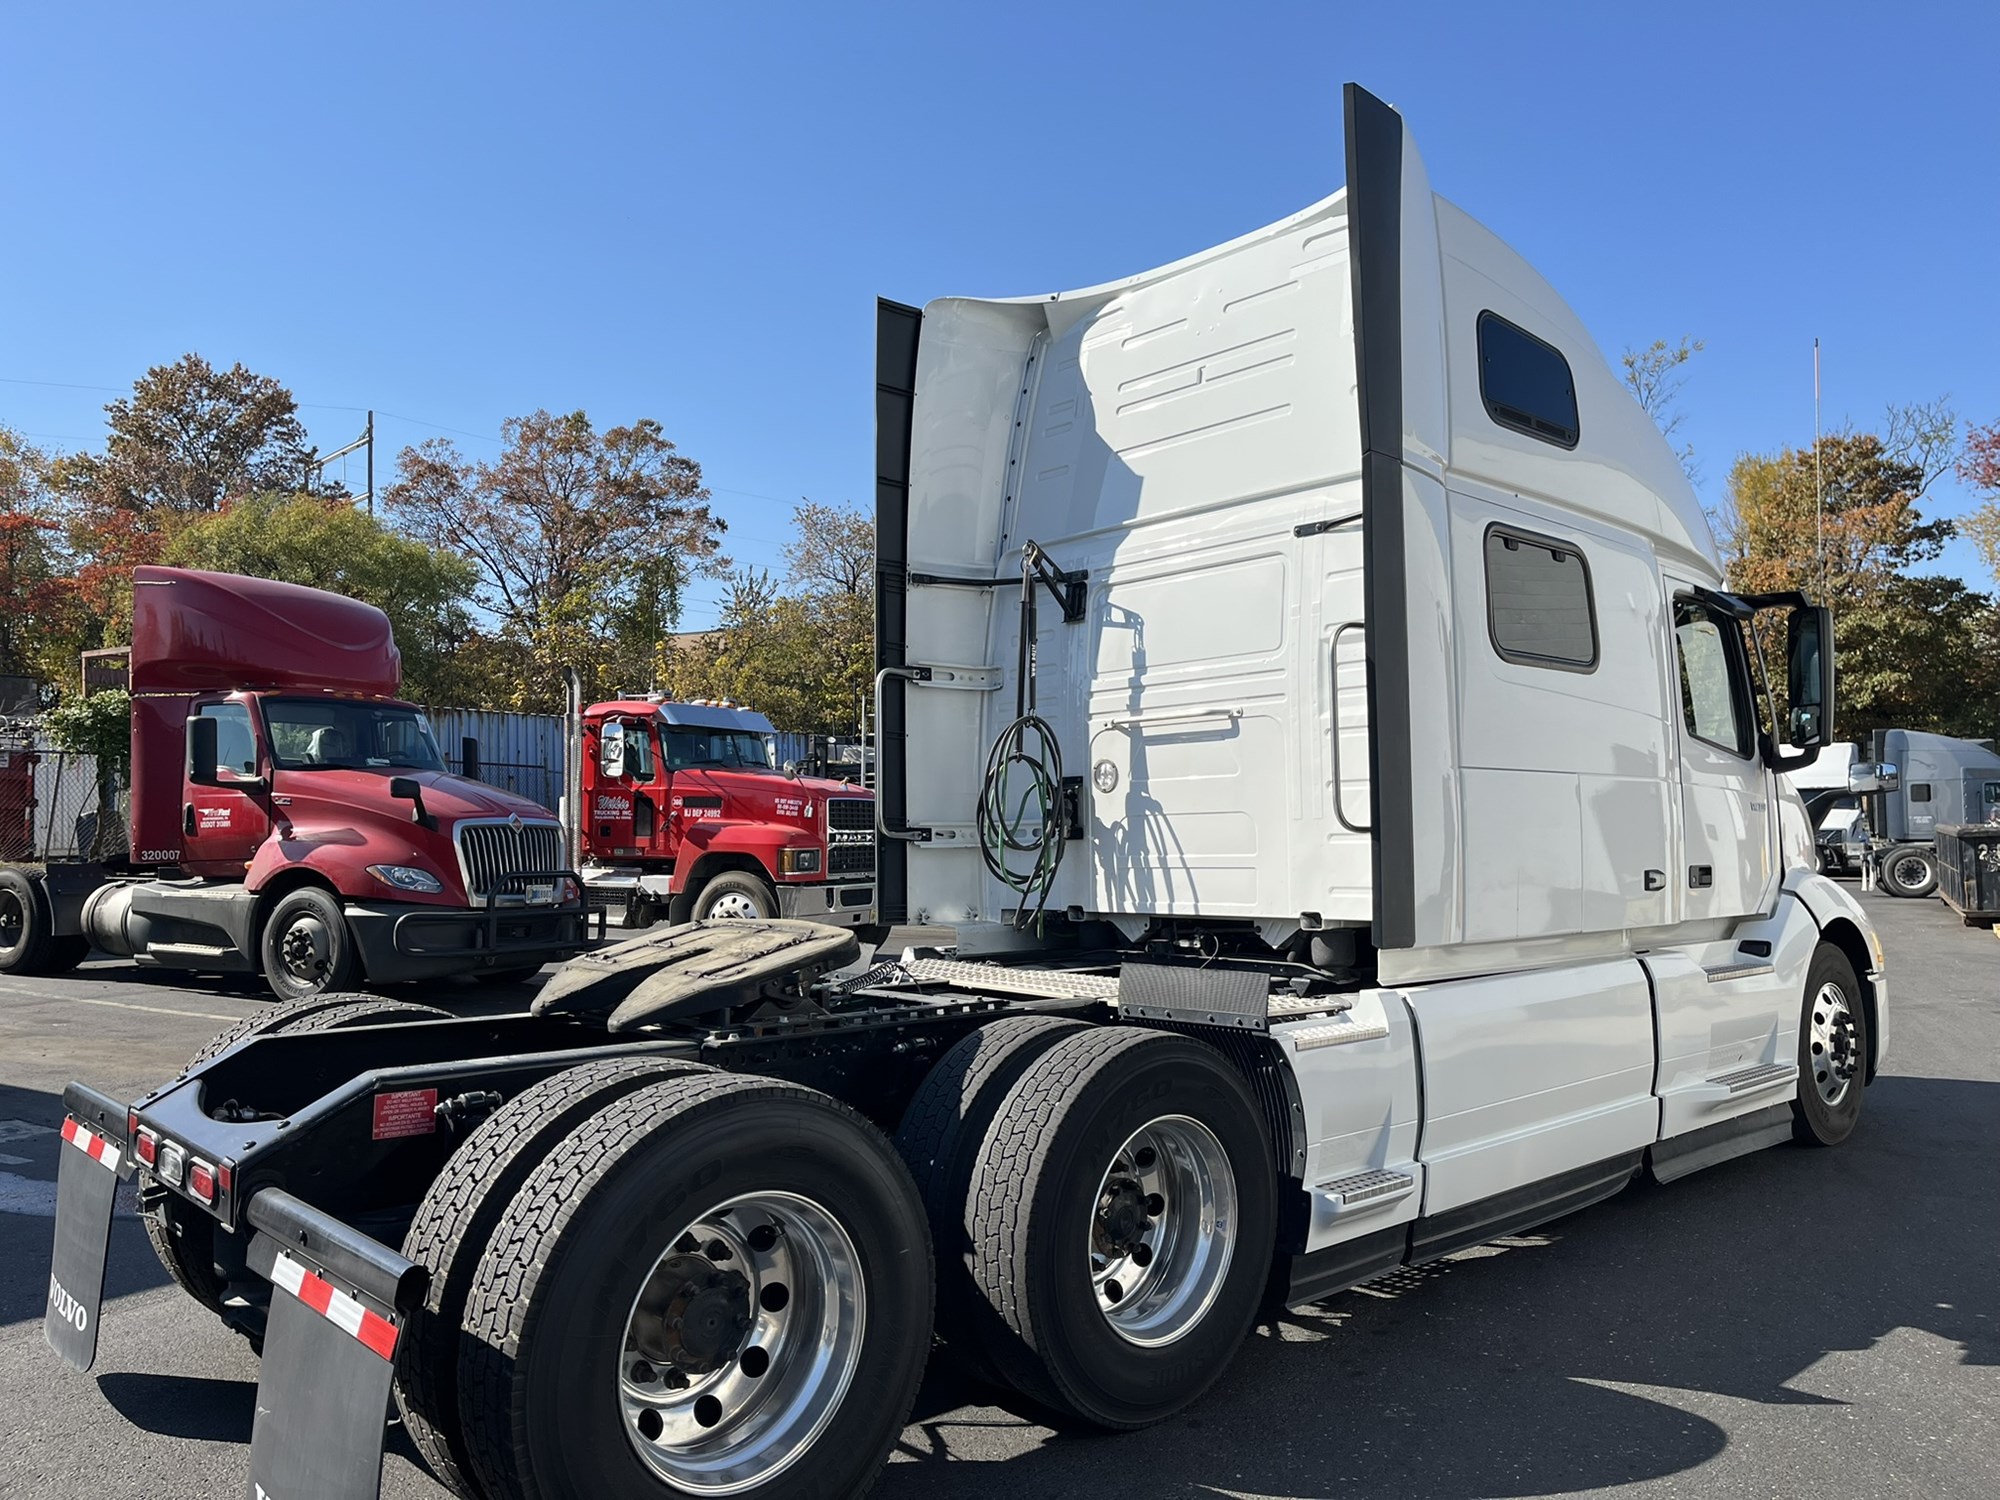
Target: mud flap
[329,1351]
[86,1189]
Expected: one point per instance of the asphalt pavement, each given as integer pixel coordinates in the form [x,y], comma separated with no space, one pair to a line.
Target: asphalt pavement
[1798,1322]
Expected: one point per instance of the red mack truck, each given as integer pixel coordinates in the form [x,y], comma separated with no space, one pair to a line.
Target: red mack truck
[687,815]
[291,816]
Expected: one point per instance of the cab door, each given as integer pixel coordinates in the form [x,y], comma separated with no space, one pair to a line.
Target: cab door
[1728,860]
[222,825]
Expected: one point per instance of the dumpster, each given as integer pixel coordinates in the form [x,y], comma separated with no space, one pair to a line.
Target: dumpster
[1969,871]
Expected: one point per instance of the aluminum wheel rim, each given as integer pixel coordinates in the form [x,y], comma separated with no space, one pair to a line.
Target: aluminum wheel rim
[306,949]
[1835,1048]
[1909,871]
[770,1360]
[1162,1231]
[734,906]
[13,921]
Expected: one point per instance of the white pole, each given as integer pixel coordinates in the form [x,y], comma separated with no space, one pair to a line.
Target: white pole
[1819,484]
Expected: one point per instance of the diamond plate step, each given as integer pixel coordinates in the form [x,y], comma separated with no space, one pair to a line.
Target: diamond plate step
[1755,1078]
[1376,1186]
[994,979]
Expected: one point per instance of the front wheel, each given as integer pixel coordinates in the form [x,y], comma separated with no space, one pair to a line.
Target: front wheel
[1909,872]
[1833,1051]
[735,895]
[306,947]
[24,925]
[717,1285]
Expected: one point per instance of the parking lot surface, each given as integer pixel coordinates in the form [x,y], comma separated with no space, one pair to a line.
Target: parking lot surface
[1794,1323]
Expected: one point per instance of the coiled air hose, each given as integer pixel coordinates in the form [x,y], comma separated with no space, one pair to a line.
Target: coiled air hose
[1021,797]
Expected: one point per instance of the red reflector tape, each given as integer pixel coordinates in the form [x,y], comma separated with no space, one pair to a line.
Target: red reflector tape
[339,1309]
[410,1112]
[90,1143]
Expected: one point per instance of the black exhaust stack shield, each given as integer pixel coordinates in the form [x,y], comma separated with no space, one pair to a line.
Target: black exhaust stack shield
[897,328]
[1375,261]
[94,1156]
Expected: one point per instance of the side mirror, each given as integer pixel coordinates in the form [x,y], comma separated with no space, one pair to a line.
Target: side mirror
[1809,677]
[1866,776]
[468,758]
[611,749]
[201,763]
[409,789]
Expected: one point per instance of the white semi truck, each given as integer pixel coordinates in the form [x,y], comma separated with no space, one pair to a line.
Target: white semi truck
[1309,686]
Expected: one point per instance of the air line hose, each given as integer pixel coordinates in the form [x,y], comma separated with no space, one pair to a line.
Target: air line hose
[1020,799]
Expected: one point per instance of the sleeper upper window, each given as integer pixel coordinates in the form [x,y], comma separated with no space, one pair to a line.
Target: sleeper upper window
[1525,382]
[1538,604]
[1920,791]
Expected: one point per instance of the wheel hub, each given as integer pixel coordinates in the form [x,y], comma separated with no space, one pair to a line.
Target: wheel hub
[1163,1230]
[694,1315]
[13,921]
[731,907]
[1835,1044]
[303,949]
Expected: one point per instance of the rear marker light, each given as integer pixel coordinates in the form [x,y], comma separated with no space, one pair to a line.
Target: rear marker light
[226,1175]
[201,1181]
[146,1146]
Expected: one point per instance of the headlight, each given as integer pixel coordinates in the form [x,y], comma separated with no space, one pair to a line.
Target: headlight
[407,878]
[798,861]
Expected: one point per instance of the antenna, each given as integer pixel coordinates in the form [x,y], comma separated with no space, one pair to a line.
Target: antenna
[1819,484]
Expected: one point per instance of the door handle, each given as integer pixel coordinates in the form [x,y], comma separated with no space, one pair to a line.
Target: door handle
[1701,877]
[187,818]
[1656,880]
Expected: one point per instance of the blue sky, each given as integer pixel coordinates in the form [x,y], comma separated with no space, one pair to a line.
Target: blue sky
[461,213]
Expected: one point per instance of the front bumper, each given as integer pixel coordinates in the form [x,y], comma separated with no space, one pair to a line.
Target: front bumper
[402,941]
[851,905]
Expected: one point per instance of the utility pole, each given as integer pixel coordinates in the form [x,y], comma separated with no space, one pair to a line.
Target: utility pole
[1819,484]
[371,462]
[366,440]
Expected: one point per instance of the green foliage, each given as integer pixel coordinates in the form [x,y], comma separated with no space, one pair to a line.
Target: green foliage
[100,725]
[328,544]
[1656,375]
[40,616]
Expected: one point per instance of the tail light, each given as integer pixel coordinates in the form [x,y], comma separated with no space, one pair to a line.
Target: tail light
[146,1146]
[201,1180]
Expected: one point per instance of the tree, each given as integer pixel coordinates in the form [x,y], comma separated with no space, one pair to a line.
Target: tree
[38,613]
[328,544]
[1911,646]
[1979,466]
[802,656]
[99,725]
[189,438]
[1656,375]
[580,540]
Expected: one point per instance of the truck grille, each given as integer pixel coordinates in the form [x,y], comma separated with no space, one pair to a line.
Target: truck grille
[490,851]
[850,838]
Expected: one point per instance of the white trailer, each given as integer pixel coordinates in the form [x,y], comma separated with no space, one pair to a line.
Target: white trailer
[1377,851]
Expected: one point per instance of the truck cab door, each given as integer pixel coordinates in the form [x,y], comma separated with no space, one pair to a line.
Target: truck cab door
[222,824]
[1728,860]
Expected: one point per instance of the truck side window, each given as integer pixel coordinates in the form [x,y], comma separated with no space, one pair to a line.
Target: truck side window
[1525,382]
[638,752]
[235,741]
[1712,701]
[1538,603]
[1920,791]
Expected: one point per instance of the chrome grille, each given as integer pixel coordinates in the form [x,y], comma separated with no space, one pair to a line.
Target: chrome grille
[850,838]
[488,851]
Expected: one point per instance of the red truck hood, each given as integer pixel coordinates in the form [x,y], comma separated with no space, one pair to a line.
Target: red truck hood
[447,798]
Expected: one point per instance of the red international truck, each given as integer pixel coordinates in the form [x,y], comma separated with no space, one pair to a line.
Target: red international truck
[292,817]
[688,815]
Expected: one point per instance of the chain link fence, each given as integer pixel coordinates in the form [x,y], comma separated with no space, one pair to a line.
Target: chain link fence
[54,805]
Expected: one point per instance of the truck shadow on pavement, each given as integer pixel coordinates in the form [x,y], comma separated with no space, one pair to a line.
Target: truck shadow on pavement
[1498,1372]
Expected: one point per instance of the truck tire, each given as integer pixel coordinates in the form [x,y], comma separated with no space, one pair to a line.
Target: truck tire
[182,1236]
[24,925]
[1909,871]
[305,948]
[1122,1217]
[735,893]
[1833,1051]
[939,1141]
[456,1220]
[747,1256]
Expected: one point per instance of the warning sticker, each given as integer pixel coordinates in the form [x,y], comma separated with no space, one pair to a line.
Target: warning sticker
[411,1112]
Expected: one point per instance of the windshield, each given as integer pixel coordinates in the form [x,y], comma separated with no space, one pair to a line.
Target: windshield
[712,748]
[318,733]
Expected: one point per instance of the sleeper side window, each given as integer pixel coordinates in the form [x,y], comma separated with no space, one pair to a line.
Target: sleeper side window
[1539,610]
[235,741]
[1525,382]
[1920,791]
[1714,694]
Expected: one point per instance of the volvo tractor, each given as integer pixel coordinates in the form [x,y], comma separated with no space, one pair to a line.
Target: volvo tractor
[291,817]
[1310,688]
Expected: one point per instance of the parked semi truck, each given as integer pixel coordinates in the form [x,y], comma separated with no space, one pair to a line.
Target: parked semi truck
[291,817]
[1309,685]
[687,815]
[1926,782]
